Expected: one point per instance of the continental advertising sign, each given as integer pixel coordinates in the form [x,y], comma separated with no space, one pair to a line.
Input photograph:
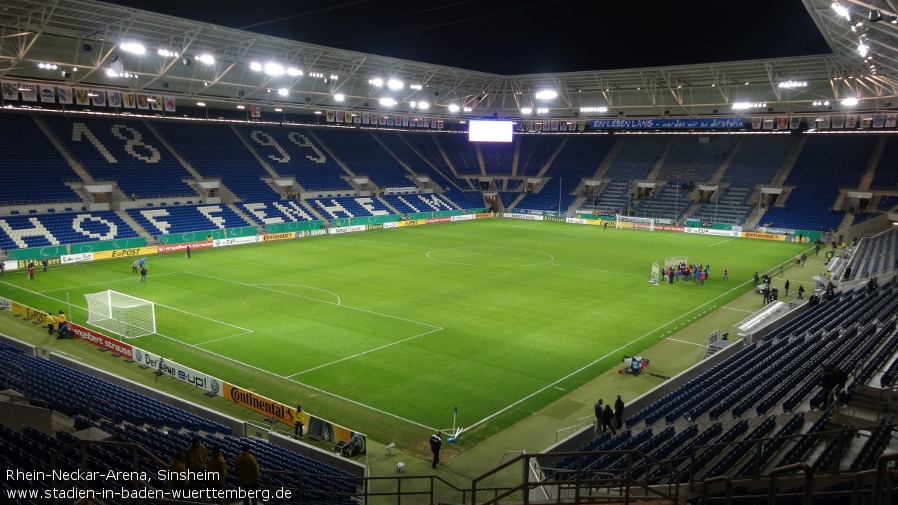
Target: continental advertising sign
[258,403]
[29,313]
[278,236]
[102,341]
[134,252]
[763,236]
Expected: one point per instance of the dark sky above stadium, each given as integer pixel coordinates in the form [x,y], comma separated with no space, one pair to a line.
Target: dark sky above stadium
[525,36]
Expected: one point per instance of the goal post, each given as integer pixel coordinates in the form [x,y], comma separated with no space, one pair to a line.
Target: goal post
[655,271]
[121,314]
[642,223]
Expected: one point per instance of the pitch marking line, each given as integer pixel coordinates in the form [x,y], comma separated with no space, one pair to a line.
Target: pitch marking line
[607,355]
[364,352]
[683,341]
[317,300]
[738,310]
[339,300]
[313,388]
[69,287]
[721,242]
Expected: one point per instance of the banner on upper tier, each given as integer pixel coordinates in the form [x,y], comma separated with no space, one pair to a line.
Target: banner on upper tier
[669,123]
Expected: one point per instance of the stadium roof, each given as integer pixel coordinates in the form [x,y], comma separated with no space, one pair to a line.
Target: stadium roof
[90,36]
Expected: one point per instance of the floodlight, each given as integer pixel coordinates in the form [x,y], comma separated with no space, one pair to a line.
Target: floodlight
[201,104]
[395,84]
[274,69]
[377,81]
[255,66]
[526,110]
[206,58]
[416,87]
[283,91]
[339,97]
[547,94]
[423,105]
[850,102]
[467,109]
[387,102]
[453,108]
[132,47]
[167,53]
[841,10]
[293,71]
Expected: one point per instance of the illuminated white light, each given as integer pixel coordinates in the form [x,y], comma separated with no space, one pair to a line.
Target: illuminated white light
[453,108]
[793,84]
[132,47]
[841,10]
[416,87]
[111,73]
[862,49]
[205,58]
[547,94]
[526,110]
[201,104]
[542,110]
[274,69]
[377,81]
[587,110]
[47,66]
[283,92]
[850,101]
[167,53]
[466,109]
[293,71]
[279,110]
[255,66]
[748,105]
[387,102]
[333,77]
[819,103]
[339,97]
[423,105]
[241,107]
[395,84]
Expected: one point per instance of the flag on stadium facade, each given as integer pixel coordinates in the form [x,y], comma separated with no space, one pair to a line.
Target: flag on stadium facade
[382,119]
[338,116]
[356,118]
[48,94]
[851,121]
[782,123]
[838,121]
[10,91]
[143,102]
[347,116]
[82,96]
[29,92]
[768,123]
[329,116]
[891,120]
[115,99]
[98,98]
[366,117]
[254,111]
[823,122]
[794,122]
[879,120]
[755,123]
[169,102]
[129,101]
[64,94]
[866,122]
[156,102]
[405,120]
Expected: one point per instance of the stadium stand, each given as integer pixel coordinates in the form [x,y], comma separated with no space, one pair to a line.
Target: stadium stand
[186,218]
[37,230]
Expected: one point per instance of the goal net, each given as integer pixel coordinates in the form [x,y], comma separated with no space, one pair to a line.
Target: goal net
[121,314]
[642,223]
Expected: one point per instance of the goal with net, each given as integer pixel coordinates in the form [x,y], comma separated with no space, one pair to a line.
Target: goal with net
[643,223]
[121,314]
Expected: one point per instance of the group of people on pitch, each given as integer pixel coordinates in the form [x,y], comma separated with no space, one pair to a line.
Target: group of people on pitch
[58,325]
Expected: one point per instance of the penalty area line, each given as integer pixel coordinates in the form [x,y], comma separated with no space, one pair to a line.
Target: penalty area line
[313,388]
[365,352]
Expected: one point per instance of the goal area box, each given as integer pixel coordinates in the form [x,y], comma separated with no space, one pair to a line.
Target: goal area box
[121,314]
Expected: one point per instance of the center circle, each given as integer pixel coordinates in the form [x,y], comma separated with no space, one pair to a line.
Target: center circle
[490,256]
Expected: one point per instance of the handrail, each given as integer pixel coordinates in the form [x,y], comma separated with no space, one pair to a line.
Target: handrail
[885,479]
[808,481]
[6,372]
[90,400]
[728,485]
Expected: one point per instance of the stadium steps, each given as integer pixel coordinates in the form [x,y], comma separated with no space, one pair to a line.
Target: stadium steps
[272,172]
[77,167]
[722,169]
[161,138]
[786,168]
[659,164]
[875,156]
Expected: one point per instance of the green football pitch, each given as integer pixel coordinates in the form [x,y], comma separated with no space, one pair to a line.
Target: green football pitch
[388,332]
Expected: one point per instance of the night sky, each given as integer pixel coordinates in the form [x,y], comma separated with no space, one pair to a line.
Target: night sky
[525,36]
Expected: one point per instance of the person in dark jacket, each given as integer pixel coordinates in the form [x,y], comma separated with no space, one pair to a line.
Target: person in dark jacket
[619,412]
[436,442]
[828,381]
[607,416]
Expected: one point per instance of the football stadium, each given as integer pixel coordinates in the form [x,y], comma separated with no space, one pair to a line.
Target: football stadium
[236,267]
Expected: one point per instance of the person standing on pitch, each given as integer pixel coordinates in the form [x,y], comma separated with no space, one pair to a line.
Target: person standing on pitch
[135,266]
[143,273]
[598,411]
[436,442]
[188,252]
[786,287]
